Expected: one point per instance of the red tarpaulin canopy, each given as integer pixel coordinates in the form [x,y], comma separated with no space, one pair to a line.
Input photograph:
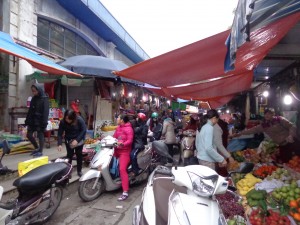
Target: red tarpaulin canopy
[198,67]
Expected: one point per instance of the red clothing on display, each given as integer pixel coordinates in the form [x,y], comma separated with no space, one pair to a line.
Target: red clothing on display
[75,107]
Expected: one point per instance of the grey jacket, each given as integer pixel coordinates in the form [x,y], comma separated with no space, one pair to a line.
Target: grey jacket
[169,131]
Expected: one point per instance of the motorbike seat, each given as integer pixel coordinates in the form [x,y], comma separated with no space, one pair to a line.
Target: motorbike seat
[162,189]
[42,176]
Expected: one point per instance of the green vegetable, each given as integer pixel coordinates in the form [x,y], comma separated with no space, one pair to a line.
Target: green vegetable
[263,205]
[256,194]
[252,202]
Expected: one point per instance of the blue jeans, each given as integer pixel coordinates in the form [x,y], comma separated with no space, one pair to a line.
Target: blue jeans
[134,163]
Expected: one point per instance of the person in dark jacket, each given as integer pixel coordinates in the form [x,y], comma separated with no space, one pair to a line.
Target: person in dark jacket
[37,118]
[139,141]
[74,129]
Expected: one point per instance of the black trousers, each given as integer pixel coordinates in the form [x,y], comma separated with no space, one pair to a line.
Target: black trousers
[40,135]
[78,153]
[171,152]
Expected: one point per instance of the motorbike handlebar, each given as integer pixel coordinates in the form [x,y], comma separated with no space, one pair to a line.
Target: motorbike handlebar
[164,172]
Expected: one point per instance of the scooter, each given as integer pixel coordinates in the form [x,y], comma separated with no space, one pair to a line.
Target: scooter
[102,175]
[5,151]
[187,146]
[183,195]
[40,192]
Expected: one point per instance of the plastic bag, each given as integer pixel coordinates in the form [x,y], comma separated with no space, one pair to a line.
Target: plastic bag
[26,166]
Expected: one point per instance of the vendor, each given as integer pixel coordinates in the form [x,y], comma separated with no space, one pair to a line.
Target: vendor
[281,131]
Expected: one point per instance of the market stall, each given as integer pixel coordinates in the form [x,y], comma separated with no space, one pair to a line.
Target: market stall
[270,194]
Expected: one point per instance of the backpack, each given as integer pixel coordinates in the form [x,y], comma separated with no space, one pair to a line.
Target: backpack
[114,168]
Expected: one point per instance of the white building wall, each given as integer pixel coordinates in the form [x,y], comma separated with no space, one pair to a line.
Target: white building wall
[22,25]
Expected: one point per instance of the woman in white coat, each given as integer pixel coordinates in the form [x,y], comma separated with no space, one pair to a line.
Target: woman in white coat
[169,133]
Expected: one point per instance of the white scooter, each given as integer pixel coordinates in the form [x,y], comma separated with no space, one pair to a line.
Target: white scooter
[4,213]
[187,147]
[101,178]
[182,195]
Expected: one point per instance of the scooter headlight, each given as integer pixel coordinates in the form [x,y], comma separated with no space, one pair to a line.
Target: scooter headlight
[203,186]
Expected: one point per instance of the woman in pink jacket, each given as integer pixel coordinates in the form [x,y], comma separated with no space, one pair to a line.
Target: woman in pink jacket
[124,134]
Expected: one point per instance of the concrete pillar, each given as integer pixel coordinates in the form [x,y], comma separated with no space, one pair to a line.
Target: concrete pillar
[111,50]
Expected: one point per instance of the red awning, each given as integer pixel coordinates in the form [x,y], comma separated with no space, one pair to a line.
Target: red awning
[199,64]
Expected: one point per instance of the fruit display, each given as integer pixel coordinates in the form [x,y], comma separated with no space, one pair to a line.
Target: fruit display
[270,193]
[248,155]
[287,193]
[89,141]
[268,151]
[257,198]
[294,163]
[233,166]
[237,220]
[281,174]
[247,183]
[264,171]
[268,217]
[236,177]
[230,206]
[295,209]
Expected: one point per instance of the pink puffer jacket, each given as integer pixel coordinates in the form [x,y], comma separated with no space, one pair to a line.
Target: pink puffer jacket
[124,133]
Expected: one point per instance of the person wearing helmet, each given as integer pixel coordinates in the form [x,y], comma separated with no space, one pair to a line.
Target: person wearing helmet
[139,141]
[155,127]
[193,123]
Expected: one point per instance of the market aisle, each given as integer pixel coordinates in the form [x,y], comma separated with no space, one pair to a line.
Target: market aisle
[11,161]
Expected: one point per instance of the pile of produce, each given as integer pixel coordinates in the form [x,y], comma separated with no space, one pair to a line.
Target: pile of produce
[268,151]
[247,155]
[230,206]
[270,193]
[247,183]
[268,217]
[257,198]
[294,163]
[264,171]
[89,141]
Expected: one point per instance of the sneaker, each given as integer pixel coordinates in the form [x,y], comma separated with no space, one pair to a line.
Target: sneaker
[131,174]
[34,151]
[123,197]
[79,174]
[37,154]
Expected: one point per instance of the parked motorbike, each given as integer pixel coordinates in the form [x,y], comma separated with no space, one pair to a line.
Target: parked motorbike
[102,174]
[187,146]
[40,192]
[182,195]
[5,151]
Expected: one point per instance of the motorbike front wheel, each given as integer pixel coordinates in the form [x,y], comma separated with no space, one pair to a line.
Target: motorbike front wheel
[86,191]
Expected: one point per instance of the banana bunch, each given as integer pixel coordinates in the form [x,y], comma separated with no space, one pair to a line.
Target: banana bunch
[247,183]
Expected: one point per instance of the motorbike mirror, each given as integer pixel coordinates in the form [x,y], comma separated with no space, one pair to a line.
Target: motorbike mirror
[161,148]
